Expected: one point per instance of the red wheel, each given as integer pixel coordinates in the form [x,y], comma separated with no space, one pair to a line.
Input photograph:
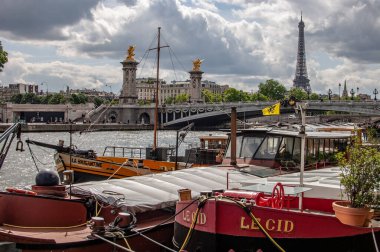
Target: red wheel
[278,196]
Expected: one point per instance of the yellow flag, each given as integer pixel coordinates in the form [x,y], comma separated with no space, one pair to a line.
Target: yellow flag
[272,110]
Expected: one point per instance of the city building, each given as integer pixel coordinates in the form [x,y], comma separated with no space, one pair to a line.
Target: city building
[146,88]
[15,89]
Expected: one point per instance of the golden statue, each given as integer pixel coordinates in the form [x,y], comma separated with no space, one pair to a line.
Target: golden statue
[131,54]
[197,64]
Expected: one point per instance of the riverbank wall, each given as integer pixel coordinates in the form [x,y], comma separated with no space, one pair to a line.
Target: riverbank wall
[37,127]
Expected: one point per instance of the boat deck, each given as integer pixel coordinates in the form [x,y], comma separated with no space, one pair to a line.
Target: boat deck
[46,235]
[156,191]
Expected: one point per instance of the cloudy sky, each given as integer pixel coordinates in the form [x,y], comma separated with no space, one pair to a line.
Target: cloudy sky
[243,42]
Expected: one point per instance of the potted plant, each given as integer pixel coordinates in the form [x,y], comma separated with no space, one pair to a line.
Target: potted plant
[360,178]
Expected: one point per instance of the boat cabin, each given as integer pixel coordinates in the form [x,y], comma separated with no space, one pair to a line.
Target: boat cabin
[218,142]
[210,151]
[279,148]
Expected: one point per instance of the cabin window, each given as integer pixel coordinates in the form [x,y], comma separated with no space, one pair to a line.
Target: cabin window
[286,148]
[297,150]
[238,147]
[269,147]
[250,146]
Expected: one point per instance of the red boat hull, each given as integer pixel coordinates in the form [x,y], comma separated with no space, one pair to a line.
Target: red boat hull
[43,223]
[223,225]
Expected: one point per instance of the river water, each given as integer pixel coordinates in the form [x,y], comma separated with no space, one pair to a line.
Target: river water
[19,169]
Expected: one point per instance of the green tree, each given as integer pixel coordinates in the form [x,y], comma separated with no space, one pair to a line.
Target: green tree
[16,98]
[181,98]
[208,96]
[314,96]
[3,58]
[298,93]
[169,100]
[30,98]
[57,99]
[219,98]
[78,98]
[272,89]
[44,99]
[231,95]
[98,101]
[243,96]
[258,97]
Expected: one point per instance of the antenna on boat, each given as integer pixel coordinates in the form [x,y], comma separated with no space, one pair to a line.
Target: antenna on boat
[157,81]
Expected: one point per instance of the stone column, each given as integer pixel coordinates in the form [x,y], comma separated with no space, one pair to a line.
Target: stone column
[129,93]
[195,82]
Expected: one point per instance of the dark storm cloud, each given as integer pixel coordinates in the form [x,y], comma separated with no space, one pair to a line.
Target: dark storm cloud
[41,19]
[351,32]
[200,34]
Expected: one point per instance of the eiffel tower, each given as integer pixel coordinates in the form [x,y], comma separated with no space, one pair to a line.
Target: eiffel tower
[301,80]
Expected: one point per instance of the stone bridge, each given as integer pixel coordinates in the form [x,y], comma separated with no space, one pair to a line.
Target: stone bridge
[216,114]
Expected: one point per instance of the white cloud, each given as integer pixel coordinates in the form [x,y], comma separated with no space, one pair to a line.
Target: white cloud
[243,42]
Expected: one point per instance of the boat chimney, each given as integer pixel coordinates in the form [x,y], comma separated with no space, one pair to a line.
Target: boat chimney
[184,194]
[233,135]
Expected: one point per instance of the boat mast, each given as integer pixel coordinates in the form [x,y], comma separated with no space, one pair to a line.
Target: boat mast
[156,92]
[156,96]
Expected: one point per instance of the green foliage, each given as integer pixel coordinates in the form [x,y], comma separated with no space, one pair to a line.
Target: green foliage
[298,93]
[272,89]
[3,59]
[360,175]
[169,100]
[372,135]
[181,98]
[208,96]
[35,99]
[16,98]
[30,98]
[45,99]
[314,96]
[98,101]
[57,99]
[143,102]
[231,95]
[78,98]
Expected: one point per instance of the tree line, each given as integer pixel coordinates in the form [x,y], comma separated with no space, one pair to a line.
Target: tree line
[270,90]
[58,98]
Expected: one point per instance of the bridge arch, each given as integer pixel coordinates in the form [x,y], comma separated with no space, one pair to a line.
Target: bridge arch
[113,116]
[144,118]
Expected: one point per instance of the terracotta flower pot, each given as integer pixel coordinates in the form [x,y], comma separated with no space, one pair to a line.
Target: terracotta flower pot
[349,215]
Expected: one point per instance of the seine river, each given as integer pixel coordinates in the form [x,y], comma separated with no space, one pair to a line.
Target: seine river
[19,169]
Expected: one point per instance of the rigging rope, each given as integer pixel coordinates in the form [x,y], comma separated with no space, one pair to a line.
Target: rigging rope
[240,204]
[34,161]
[155,242]
[24,227]
[112,243]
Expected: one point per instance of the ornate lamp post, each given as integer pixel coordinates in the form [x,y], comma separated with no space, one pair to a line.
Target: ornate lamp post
[329,93]
[375,92]
[352,92]
[339,90]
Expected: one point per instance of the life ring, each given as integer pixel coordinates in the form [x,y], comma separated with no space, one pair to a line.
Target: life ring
[20,191]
